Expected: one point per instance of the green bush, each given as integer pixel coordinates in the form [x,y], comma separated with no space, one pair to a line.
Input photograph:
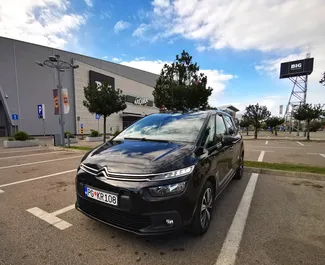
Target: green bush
[94,133]
[31,138]
[117,132]
[70,135]
[21,136]
[11,139]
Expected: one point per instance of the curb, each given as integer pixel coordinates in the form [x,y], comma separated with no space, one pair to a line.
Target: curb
[292,174]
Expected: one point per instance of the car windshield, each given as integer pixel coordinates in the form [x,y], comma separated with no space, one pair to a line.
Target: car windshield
[168,127]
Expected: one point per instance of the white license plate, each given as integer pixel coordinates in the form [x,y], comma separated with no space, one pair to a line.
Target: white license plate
[101,196]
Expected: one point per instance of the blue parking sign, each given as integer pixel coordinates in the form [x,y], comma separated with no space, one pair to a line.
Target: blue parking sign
[14,117]
[40,111]
[97,116]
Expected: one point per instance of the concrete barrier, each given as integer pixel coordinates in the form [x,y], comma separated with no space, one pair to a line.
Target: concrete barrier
[17,144]
[94,139]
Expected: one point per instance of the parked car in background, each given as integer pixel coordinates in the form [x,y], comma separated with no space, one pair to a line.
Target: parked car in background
[161,174]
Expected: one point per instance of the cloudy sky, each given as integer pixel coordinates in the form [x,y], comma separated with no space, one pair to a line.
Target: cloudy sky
[238,44]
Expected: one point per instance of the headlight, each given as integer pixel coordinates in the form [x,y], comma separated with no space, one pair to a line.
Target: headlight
[174,174]
[168,190]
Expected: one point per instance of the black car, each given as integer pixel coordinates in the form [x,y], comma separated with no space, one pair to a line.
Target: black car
[162,173]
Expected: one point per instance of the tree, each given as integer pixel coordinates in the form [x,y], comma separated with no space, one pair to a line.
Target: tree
[315,126]
[103,100]
[180,86]
[273,122]
[244,123]
[255,114]
[307,112]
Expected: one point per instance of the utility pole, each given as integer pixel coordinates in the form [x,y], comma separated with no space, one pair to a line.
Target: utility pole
[60,66]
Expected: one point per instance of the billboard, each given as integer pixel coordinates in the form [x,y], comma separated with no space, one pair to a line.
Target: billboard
[98,79]
[297,68]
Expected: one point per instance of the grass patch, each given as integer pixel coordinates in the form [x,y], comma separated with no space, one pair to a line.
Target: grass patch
[83,148]
[286,167]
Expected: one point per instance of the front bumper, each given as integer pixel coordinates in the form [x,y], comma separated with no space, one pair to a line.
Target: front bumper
[138,211]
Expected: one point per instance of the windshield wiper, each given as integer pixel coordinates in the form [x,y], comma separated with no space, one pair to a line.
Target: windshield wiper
[147,140]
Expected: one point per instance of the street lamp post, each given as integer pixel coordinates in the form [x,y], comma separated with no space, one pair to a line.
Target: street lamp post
[60,66]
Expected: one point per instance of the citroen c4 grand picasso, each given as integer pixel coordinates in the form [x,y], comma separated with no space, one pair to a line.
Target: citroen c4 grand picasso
[162,173]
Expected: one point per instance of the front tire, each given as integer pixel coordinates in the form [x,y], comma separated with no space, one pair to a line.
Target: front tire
[204,210]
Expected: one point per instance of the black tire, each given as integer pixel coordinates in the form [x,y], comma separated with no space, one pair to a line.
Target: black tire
[199,227]
[240,169]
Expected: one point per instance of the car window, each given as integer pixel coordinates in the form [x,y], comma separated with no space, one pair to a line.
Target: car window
[209,135]
[229,125]
[220,125]
[170,127]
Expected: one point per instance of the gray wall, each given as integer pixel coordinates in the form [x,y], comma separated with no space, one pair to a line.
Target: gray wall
[28,84]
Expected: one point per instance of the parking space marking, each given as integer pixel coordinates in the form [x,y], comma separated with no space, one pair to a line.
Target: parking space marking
[38,154]
[52,218]
[1,191]
[323,155]
[300,143]
[261,156]
[262,150]
[40,162]
[37,178]
[269,146]
[231,244]
[266,142]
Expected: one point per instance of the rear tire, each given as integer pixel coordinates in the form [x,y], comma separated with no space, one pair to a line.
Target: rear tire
[240,169]
[204,210]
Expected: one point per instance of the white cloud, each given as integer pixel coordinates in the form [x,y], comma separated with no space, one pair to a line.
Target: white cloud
[262,25]
[216,79]
[45,22]
[89,3]
[139,32]
[115,59]
[161,3]
[105,57]
[201,48]
[121,25]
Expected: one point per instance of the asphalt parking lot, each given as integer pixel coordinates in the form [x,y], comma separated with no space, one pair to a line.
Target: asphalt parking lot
[286,151]
[260,219]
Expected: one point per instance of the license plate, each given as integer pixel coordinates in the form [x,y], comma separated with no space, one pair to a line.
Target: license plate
[101,196]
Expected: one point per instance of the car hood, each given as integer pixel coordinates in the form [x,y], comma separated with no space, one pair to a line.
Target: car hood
[141,157]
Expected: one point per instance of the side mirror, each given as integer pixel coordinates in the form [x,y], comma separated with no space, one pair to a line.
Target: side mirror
[227,140]
[231,131]
[199,151]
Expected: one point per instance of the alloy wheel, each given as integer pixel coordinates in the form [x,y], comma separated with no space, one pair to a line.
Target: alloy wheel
[206,208]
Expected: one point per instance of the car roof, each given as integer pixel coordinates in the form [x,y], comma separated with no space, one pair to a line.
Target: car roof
[194,112]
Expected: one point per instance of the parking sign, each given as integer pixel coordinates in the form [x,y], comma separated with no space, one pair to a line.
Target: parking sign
[14,117]
[97,116]
[41,111]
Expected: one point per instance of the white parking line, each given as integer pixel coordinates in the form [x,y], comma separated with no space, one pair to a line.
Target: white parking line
[231,244]
[323,155]
[263,146]
[261,156]
[38,154]
[37,178]
[300,143]
[40,162]
[52,218]
[22,150]
[266,142]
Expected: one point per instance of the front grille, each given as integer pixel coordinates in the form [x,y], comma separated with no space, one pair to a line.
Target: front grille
[113,216]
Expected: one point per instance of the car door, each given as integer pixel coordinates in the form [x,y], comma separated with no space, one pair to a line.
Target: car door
[224,151]
[234,148]
[215,161]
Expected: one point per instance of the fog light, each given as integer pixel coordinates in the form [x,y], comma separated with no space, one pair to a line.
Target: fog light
[170,221]
[168,190]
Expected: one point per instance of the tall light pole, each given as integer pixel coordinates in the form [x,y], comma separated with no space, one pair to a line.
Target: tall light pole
[60,66]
